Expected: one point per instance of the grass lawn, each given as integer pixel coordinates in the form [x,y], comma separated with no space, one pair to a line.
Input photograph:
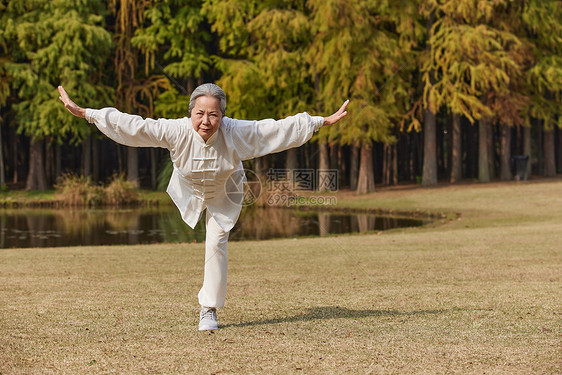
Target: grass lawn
[476,293]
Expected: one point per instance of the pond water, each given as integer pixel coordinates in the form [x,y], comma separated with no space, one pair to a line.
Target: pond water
[67,227]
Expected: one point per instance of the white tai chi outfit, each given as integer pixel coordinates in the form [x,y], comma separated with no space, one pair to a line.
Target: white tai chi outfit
[208,174]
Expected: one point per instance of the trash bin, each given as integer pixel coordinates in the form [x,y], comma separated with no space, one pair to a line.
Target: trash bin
[519,163]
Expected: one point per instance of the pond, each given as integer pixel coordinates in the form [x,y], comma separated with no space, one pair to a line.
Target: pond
[67,227]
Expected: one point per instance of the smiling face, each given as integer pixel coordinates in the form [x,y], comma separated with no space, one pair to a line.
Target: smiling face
[206,116]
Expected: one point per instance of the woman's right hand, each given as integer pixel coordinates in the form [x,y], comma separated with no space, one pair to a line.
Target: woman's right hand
[70,105]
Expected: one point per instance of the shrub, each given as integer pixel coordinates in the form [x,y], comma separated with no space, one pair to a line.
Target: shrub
[120,192]
[73,190]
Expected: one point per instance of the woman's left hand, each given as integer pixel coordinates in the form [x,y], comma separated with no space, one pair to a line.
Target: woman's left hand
[341,113]
[70,105]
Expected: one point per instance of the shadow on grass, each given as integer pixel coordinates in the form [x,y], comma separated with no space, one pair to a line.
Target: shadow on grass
[333,312]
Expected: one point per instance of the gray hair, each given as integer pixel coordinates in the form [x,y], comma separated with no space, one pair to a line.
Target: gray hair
[208,89]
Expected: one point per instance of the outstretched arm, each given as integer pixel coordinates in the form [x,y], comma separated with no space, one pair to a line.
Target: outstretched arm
[70,105]
[253,139]
[129,130]
[341,113]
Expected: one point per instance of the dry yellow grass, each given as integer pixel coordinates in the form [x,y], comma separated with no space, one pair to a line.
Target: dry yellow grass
[477,295]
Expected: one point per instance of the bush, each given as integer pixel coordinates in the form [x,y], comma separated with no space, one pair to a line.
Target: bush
[120,192]
[73,190]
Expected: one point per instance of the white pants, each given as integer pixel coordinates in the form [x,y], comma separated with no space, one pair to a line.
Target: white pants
[213,292]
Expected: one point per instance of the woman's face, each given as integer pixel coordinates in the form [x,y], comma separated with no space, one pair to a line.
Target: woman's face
[206,116]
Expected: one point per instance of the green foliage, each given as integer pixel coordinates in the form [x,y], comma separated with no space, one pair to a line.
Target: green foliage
[136,86]
[53,43]
[5,79]
[540,25]
[175,40]
[472,59]
[358,54]
[175,34]
[312,56]
[172,104]
[496,58]
[269,76]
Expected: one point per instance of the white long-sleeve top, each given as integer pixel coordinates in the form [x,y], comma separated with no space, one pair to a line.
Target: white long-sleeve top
[207,174]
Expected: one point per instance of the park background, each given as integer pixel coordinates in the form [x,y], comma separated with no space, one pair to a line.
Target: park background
[439,90]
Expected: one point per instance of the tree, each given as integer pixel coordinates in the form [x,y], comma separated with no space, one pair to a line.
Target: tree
[262,57]
[456,149]
[52,43]
[541,28]
[469,65]
[357,53]
[135,92]
[429,174]
[176,41]
[5,81]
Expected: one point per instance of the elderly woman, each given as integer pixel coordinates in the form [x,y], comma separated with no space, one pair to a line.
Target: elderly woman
[207,149]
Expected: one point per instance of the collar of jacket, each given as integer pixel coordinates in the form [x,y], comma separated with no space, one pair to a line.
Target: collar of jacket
[200,139]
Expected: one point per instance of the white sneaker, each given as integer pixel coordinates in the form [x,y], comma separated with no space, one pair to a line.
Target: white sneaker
[208,319]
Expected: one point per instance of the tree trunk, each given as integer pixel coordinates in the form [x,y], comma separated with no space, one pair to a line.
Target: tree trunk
[341,167]
[559,149]
[261,166]
[36,177]
[2,175]
[354,169]
[334,157]
[291,161]
[491,151]
[412,157]
[441,152]
[386,165]
[483,171]
[87,157]
[390,165]
[58,162]
[505,153]
[307,151]
[95,159]
[540,152]
[324,223]
[50,175]
[471,148]
[549,154]
[15,156]
[456,150]
[190,85]
[133,165]
[395,164]
[323,167]
[366,181]
[527,148]
[119,150]
[153,163]
[429,174]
